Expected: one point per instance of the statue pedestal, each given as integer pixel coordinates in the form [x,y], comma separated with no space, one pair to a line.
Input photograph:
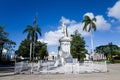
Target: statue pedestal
[65,49]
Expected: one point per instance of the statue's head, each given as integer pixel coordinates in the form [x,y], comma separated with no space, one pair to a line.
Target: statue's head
[63,24]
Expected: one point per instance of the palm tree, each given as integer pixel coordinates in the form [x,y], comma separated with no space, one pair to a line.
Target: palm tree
[33,32]
[89,26]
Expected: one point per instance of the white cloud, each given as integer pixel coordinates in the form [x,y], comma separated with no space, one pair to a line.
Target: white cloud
[91,15]
[101,23]
[52,37]
[67,21]
[115,10]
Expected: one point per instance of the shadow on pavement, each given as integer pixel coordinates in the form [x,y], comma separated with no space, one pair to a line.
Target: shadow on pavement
[4,75]
[6,70]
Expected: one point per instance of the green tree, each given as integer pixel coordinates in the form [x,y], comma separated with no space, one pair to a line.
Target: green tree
[41,50]
[89,25]
[33,32]
[3,37]
[24,49]
[110,50]
[4,41]
[78,46]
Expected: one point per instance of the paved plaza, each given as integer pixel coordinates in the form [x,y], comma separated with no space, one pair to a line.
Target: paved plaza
[112,74]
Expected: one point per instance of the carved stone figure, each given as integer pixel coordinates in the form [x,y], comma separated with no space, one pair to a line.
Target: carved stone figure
[64,30]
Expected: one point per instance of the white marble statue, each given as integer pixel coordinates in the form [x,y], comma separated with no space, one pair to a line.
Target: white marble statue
[65,55]
[64,30]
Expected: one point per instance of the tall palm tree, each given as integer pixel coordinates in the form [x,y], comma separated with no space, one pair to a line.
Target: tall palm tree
[89,25]
[33,32]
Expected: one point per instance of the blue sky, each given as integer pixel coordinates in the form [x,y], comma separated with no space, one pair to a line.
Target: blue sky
[17,14]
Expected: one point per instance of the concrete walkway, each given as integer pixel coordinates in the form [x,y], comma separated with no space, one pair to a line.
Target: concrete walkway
[113,74]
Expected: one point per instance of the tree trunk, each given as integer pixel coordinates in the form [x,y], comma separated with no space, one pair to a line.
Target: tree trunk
[92,45]
[33,49]
[30,50]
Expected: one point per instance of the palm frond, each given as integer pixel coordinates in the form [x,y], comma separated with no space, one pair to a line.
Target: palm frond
[94,19]
[36,36]
[89,23]
[93,26]
[39,31]
[28,36]
[87,18]
[85,27]
[29,27]
[89,28]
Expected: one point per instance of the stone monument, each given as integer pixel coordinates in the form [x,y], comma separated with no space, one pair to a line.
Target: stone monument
[64,52]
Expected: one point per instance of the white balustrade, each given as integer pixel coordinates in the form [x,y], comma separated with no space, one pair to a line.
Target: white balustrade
[20,66]
[67,68]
